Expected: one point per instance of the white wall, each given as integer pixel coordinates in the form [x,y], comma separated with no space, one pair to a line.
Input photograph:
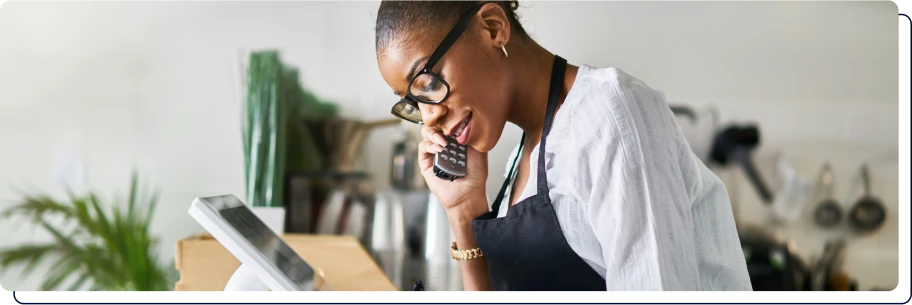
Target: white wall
[152,85]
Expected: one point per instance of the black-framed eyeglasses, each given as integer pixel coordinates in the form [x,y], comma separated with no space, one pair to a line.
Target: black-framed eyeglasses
[427,87]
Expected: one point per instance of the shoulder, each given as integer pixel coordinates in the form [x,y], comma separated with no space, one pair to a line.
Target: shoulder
[602,89]
[611,78]
[602,100]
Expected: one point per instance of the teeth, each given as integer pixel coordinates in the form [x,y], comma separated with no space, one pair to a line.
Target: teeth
[460,128]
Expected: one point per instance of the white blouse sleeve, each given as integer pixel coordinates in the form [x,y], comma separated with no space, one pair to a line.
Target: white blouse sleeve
[631,185]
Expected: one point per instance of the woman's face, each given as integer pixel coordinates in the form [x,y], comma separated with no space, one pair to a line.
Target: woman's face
[476,75]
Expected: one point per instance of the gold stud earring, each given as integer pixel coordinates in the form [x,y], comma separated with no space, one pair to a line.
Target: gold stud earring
[504,50]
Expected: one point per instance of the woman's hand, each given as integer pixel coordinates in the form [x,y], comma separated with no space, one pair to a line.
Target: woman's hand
[463,199]
[465,196]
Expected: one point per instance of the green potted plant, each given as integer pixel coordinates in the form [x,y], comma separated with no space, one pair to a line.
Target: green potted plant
[96,245]
[275,140]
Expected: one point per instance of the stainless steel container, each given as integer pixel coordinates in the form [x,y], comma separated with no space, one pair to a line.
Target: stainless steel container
[387,241]
[441,270]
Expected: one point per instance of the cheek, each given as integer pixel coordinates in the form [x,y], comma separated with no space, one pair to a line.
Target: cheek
[490,121]
[486,133]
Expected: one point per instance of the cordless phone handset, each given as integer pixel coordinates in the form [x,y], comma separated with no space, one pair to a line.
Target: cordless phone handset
[450,164]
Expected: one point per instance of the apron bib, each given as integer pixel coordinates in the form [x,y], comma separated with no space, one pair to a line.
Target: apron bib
[526,249]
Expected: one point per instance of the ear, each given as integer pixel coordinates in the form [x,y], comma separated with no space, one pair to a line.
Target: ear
[495,24]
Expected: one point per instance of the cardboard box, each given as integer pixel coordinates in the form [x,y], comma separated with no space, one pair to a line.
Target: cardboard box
[205,265]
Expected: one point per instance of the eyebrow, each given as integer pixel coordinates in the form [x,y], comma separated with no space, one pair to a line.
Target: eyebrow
[408,77]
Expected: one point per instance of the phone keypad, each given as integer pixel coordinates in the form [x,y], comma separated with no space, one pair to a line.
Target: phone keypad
[451,162]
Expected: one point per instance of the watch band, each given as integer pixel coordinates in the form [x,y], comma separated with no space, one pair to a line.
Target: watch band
[465,254]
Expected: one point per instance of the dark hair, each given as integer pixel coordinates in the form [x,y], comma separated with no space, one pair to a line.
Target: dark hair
[395,16]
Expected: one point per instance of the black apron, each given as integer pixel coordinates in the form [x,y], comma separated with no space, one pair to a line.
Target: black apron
[526,250]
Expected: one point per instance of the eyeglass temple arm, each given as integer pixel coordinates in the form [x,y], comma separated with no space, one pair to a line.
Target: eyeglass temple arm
[454,34]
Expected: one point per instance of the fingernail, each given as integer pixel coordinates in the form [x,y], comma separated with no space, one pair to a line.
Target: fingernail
[438,148]
[439,139]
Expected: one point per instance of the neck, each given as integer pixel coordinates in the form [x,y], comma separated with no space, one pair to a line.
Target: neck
[533,79]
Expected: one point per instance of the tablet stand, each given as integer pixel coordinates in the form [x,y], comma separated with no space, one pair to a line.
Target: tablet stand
[244,279]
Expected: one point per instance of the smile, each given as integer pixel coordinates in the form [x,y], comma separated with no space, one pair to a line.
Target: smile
[461,131]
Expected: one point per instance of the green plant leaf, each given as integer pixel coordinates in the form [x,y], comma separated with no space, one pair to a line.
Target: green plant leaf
[131,201]
[101,221]
[31,255]
[102,246]
[58,273]
[80,281]
[152,204]
[36,206]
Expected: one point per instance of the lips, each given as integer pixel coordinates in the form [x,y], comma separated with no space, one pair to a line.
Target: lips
[463,129]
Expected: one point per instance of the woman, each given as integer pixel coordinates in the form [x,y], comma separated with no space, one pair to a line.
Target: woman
[606,193]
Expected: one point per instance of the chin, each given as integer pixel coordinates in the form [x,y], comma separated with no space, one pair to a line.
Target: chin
[483,145]
[487,139]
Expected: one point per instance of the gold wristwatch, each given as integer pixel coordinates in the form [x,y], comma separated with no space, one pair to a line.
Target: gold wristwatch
[465,254]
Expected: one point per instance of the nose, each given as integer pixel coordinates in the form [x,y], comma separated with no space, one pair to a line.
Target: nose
[431,114]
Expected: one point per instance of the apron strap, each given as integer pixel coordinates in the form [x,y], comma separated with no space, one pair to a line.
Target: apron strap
[495,206]
[557,81]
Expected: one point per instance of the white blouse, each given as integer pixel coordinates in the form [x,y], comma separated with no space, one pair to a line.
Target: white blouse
[631,197]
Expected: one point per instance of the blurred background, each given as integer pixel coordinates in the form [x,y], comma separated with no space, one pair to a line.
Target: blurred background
[768,94]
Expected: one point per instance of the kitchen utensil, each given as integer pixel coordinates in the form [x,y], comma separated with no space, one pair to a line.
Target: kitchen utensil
[699,128]
[736,143]
[352,219]
[331,212]
[404,171]
[361,129]
[793,194]
[828,274]
[868,213]
[684,111]
[310,192]
[828,213]
[355,219]
[345,138]
[418,286]
[771,264]
[299,215]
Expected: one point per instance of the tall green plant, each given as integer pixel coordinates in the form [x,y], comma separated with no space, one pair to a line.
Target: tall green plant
[97,245]
[273,134]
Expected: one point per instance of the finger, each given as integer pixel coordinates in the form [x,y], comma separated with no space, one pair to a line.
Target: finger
[428,147]
[426,152]
[433,135]
[426,132]
[438,138]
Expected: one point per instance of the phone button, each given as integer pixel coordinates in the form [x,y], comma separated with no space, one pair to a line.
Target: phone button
[461,156]
[461,163]
[453,152]
[442,156]
[462,148]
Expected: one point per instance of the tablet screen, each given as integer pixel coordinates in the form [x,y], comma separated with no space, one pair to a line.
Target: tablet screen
[267,242]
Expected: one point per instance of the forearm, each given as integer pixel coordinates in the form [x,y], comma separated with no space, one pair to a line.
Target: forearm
[474,271]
